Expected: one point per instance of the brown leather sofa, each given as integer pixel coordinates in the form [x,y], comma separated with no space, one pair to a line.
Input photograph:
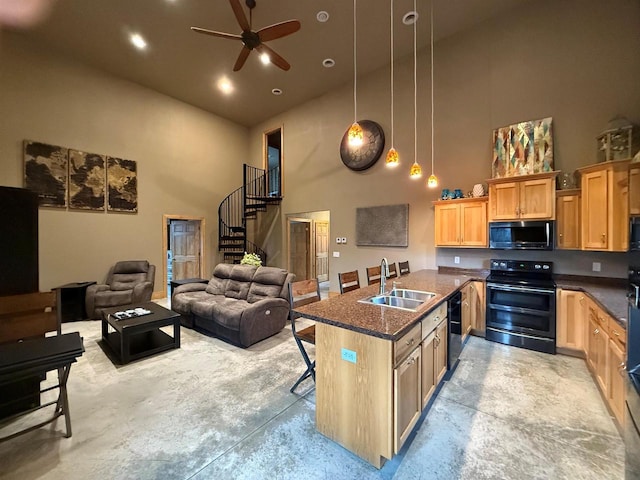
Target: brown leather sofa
[128,283]
[241,304]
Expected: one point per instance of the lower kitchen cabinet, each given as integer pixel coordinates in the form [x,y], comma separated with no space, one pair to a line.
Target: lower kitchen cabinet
[477,308]
[615,382]
[407,381]
[570,324]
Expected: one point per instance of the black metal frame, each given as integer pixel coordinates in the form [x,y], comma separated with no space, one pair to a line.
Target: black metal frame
[311,365]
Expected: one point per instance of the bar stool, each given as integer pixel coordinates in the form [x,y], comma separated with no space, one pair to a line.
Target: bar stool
[404,267]
[302,293]
[349,281]
[393,273]
[373,275]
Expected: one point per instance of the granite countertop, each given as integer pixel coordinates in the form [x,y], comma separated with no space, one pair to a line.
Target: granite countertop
[613,299]
[385,322]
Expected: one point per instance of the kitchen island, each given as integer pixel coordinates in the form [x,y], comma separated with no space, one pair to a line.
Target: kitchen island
[378,366]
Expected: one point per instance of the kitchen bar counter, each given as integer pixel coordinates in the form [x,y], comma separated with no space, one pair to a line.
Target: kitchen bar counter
[385,322]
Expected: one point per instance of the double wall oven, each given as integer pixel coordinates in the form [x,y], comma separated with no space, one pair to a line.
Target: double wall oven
[521,304]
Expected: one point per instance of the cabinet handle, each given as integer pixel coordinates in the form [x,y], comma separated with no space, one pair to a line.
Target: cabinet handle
[622,366]
[582,299]
[436,318]
[522,210]
[616,333]
[412,360]
[410,342]
[517,210]
[596,331]
[604,238]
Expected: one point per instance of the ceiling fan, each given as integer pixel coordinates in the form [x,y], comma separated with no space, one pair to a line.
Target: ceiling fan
[255,40]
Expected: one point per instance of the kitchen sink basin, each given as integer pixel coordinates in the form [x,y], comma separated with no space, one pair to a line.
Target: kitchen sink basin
[400,298]
[412,294]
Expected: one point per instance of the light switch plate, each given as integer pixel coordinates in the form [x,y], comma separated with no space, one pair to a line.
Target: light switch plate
[596,266]
[338,240]
[348,355]
[336,254]
[344,239]
[456,259]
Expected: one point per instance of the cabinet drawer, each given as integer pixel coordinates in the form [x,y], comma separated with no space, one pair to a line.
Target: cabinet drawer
[431,321]
[618,334]
[599,318]
[403,346]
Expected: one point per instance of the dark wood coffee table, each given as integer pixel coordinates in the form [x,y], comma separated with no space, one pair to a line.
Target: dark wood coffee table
[134,338]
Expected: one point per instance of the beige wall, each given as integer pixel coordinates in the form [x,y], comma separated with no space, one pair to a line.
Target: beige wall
[188,160]
[576,61]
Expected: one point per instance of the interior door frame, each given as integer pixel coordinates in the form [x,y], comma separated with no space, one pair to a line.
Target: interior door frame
[265,153]
[311,251]
[165,245]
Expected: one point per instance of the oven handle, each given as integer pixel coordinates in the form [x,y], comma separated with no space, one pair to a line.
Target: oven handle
[497,286]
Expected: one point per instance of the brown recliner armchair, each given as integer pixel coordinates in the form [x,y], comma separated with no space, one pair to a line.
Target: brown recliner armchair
[129,282]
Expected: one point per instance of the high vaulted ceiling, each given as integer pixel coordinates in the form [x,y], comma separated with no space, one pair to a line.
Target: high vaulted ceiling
[186,65]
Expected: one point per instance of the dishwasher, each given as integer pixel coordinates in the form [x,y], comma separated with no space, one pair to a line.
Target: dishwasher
[454,331]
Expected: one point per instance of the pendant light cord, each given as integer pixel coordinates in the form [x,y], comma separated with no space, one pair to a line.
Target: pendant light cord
[432,115]
[355,72]
[415,92]
[392,74]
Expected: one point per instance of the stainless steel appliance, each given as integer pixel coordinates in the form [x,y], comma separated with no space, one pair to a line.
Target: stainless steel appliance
[454,331]
[521,304]
[527,235]
[632,417]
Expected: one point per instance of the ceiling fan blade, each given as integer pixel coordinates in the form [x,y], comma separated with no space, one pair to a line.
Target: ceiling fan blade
[216,34]
[244,53]
[278,30]
[276,59]
[240,16]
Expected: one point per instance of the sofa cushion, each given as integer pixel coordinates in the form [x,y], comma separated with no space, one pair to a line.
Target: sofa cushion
[225,311]
[182,302]
[239,281]
[221,275]
[267,282]
[126,281]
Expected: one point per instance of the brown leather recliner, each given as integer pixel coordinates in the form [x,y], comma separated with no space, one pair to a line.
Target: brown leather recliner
[128,283]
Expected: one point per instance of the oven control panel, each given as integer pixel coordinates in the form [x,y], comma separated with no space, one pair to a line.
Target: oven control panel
[521,266]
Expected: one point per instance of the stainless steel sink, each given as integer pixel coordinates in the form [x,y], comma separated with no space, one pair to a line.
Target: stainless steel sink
[402,299]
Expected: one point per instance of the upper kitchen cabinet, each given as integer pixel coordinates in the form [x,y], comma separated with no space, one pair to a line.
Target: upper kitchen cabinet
[461,223]
[605,206]
[529,197]
[568,219]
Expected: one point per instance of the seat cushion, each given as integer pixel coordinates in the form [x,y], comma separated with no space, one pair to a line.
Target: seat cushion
[267,283]
[182,302]
[225,311]
[110,298]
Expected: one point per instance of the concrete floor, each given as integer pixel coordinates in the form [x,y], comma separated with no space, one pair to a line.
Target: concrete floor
[211,410]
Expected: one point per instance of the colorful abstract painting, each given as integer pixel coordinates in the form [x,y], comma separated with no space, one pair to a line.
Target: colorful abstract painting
[523,149]
[86,180]
[122,183]
[45,172]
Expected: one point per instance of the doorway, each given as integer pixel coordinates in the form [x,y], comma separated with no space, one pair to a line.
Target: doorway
[183,246]
[273,161]
[308,245]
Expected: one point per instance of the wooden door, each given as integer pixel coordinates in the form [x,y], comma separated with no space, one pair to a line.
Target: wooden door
[447,225]
[537,199]
[473,224]
[407,397]
[184,244]
[322,251]
[299,249]
[594,210]
[615,386]
[429,380]
[504,199]
[568,221]
[570,320]
[441,351]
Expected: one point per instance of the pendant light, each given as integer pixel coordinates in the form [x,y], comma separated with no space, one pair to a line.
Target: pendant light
[416,170]
[433,180]
[393,159]
[355,136]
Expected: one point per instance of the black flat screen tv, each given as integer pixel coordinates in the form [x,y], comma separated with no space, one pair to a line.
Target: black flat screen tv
[18,241]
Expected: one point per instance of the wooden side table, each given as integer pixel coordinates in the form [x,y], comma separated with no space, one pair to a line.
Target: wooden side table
[72,300]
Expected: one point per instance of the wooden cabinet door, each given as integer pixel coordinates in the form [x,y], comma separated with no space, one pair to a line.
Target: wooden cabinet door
[634,191]
[570,323]
[505,198]
[447,225]
[473,224]
[594,211]
[429,380]
[537,199]
[441,351]
[477,307]
[465,308]
[602,364]
[568,221]
[407,398]
[615,384]
[592,347]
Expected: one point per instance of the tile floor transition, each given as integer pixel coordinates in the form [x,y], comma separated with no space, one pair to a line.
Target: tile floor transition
[214,411]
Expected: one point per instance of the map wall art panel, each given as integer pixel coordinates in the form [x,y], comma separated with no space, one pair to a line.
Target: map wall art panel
[523,149]
[86,180]
[387,226]
[122,185]
[45,172]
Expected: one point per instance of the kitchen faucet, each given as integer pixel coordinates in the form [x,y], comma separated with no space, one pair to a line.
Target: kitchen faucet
[384,273]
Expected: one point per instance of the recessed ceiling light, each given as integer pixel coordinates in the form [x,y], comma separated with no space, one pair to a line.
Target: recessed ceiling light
[225,86]
[410,18]
[264,58]
[276,91]
[322,16]
[137,41]
[328,62]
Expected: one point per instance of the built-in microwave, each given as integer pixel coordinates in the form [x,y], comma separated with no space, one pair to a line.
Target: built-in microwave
[524,235]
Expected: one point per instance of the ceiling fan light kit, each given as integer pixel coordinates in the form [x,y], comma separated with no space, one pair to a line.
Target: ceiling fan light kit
[254,40]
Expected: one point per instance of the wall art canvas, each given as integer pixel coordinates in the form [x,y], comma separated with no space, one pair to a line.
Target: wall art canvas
[387,226]
[45,172]
[86,180]
[122,185]
[523,149]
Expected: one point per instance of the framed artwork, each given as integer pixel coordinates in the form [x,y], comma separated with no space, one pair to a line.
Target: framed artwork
[523,149]
[86,180]
[122,185]
[386,226]
[45,172]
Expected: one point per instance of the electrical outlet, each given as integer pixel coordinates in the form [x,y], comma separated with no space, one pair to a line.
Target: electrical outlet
[348,355]
[595,266]
[456,260]
[338,240]
[336,254]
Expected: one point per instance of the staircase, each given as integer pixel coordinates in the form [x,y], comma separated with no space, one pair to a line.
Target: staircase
[243,204]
